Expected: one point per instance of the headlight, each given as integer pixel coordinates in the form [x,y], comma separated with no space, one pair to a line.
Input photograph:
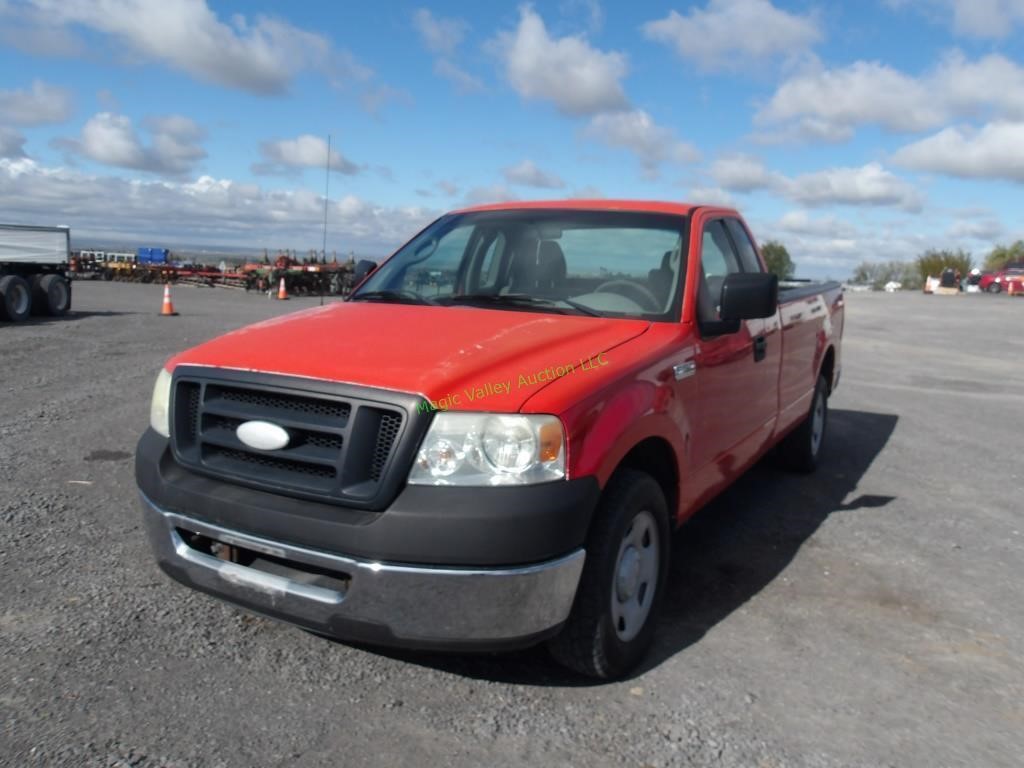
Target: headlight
[160,405]
[490,449]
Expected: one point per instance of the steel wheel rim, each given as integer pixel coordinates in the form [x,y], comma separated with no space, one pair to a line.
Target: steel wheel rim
[817,423]
[61,293]
[635,577]
[21,298]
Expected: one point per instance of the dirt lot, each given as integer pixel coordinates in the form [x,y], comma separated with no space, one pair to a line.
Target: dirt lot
[870,615]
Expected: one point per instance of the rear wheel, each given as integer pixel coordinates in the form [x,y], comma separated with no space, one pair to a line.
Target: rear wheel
[801,448]
[15,298]
[56,293]
[994,288]
[613,618]
[51,295]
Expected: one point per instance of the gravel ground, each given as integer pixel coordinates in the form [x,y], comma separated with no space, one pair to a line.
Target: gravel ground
[869,615]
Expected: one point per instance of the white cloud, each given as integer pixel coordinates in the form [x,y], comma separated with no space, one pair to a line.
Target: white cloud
[287,156]
[827,104]
[636,131]
[868,185]
[447,187]
[591,11]
[211,211]
[567,71]
[800,222]
[864,92]
[983,227]
[731,33]
[588,192]
[974,18]
[40,104]
[464,81]
[527,174]
[440,36]
[711,196]
[494,193]
[743,173]
[111,139]
[261,55]
[12,143]
[994,152]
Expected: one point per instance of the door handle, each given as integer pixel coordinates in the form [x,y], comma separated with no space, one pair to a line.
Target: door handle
[760,348]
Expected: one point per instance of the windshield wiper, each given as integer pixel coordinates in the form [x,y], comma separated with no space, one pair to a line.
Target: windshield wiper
[520,300]
[401,297]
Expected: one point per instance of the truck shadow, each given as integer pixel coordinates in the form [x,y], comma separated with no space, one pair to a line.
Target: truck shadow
[71,316]
[727,553]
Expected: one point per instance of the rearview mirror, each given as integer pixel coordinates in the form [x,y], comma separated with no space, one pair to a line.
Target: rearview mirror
[749,296]
[363,268]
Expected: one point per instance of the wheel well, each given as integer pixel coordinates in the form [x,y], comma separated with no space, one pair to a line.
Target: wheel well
[828,367]
[656,457]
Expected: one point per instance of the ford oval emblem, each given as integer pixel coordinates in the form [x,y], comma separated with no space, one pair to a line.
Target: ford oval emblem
[262,435]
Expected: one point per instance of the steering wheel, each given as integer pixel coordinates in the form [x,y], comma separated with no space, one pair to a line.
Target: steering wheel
[647,299]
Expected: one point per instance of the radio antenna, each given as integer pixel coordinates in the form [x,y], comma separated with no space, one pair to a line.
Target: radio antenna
[327,190]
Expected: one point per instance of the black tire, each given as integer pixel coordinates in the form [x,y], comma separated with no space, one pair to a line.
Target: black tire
[52,295]
[801,448]
[590,642]
[15,298]
[994,288]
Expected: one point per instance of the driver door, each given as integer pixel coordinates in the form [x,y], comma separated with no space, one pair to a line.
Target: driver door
[736,394]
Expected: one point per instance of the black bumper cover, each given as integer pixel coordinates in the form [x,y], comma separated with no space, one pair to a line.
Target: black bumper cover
[512,525]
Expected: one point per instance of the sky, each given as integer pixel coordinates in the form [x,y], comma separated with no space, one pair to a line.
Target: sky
[848,131]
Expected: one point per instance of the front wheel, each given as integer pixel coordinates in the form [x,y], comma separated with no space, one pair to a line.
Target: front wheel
[994,288]
[612,623]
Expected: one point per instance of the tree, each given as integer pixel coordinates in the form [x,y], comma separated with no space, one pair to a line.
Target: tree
[1005,254]
[932,262]
[878,273]
[777,258]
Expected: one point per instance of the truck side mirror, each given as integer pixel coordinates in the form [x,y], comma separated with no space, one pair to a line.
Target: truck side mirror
[362,269]
[749,296]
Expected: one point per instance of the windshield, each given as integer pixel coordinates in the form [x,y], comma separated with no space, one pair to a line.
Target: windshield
[606,263]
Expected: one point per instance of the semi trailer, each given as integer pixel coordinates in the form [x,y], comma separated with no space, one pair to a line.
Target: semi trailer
[33,271]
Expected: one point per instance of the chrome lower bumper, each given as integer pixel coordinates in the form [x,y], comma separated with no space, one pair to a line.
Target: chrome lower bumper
[408,605]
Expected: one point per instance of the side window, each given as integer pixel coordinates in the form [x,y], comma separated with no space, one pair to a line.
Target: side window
[717,259]
[748,256]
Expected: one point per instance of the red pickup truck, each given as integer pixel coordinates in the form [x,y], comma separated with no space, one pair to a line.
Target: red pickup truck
[490,443]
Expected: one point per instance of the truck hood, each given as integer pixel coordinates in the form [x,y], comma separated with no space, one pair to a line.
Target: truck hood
[463,358]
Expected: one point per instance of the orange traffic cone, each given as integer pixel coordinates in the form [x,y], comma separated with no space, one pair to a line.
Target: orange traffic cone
[168,308]
[282,292]
[1009,287]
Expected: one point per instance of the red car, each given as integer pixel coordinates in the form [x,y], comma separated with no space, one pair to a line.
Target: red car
[1010,279]
[498,455]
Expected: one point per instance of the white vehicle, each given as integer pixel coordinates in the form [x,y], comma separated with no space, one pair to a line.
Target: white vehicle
[33,271]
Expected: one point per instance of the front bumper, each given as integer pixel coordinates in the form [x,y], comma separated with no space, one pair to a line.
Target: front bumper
[366,600]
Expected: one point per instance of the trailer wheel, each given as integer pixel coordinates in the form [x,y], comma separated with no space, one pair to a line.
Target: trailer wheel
[615,611]
[15,298]
[54,295]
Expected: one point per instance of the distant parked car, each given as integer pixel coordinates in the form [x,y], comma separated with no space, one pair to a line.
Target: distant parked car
[1010,280]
